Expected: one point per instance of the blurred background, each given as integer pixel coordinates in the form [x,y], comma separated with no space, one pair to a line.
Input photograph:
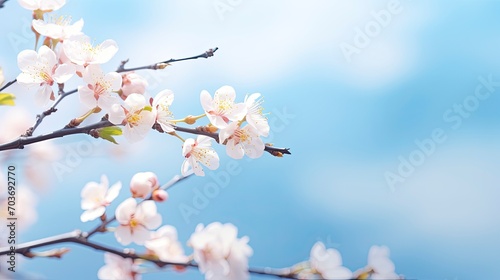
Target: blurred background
[353,88]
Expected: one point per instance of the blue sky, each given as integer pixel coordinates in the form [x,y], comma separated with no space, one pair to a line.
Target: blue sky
[348,125]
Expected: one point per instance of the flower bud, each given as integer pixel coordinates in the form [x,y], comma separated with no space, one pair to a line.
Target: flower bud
[160,195]
[142,184]
[132,83]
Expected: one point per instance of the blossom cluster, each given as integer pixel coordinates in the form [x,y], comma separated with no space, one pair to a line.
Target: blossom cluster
[217,249]
[67,52]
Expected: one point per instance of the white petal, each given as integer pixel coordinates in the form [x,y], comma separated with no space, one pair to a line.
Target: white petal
[225,93]
[185,167]
[116,114]
[87,97]
[135,102]
[165,97]
[26,59]
[238,112]
[48,56]
[227,132]
[197,169]
[107,50]
[234,151]
[107,100]
[125,210]
[42,97]
[140,235]
[123,235]
[206,101]
[114,79]
[113,192]
[187,146]
[63,73]
[92,214]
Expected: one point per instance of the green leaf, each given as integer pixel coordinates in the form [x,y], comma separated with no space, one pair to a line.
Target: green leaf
[107,133]
[7,99]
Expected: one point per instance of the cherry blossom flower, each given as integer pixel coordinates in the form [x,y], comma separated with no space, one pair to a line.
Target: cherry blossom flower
[161,106]
[80,51]
[135,221]
[42,5]
[379,262]
[254,116]
[118,268]
[41,69]
[222,109]
[164,244]
[99,89]
[142,184]
[95,198]
[132,83]
[136,116]
[196,152]
[15,121]
[219,253]
[58,28]
[241,141]
[328,263]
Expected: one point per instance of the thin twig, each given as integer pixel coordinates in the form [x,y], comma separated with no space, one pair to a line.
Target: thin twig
[9,83]
[78,237]
[270,149]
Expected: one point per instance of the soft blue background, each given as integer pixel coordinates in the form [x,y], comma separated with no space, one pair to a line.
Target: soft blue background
[351,123]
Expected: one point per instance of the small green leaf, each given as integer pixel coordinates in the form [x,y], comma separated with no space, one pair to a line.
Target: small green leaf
[148,108]
[7,99]
[107,133]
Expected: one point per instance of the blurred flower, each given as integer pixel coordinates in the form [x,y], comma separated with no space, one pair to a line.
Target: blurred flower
[25,209]
[199,151]
[241,141]
[142,184]
[132,83]
[95,198]
[164,244]
[136,116]
[328,263]
[99,89]
[43,5]
[161,107]
[2,78]
[254,116]
[379,262]
[219,253]
[58,27]
[41,69]
[15,121]
[118,268]
[136,221]
[80,51]
[38,165]
[222,109]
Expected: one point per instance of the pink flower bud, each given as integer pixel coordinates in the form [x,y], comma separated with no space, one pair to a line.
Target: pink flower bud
[132,83]
[143,183]
[160,195]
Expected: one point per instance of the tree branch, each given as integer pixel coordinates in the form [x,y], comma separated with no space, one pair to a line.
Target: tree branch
[9,83]
[78,237]
[275,151]
[22,141]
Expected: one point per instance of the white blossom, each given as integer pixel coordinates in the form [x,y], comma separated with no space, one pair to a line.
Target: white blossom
[135,221]
[196,152]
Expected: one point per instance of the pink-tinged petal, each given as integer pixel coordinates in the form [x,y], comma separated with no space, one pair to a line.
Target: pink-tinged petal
[340,273]
[28,79]
[135,102]
[197,169]
[63,73]
[92,214]
[26,59]
[227,132]
[250,99]
[185,167]
[92,74]
[114,79]
[43,95]
[165,97]
[107,100]
[29,4]
[125,210]
[74,29]
[108,49]
[225,93]
[212,159]
[123,235]
[206,101]
[234,151]
[116,114]
[139,132]
[87,97]
[113,192]
[167,127]
[187,147]
[152,222]
[144,209]
[217,121]
[203,141]
[48,56]
[238,112]
[260,123]
[141,235]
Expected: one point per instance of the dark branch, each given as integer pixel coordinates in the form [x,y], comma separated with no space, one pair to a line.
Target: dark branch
[22,141]
[11,82]
[275,151]
[78,237]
